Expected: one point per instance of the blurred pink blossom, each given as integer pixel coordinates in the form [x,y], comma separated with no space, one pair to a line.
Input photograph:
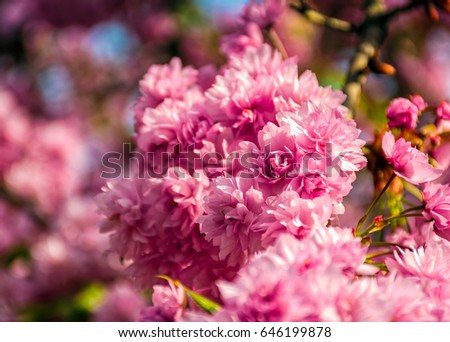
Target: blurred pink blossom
[264,13]
[15,130]
[236,43]
[121,304]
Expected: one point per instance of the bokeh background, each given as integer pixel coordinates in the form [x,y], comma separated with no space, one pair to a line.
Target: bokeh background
[69,76]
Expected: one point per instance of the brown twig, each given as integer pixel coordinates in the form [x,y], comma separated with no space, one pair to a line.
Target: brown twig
[371,32]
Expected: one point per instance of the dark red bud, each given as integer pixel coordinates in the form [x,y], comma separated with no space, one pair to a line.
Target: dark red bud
[432,12]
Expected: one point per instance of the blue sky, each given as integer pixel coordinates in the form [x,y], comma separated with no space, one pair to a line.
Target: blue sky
[216,7]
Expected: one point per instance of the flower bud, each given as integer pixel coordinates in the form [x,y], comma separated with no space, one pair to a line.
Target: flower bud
[381,68]
[443,111]
[419,102]
[432,12]
[402,113]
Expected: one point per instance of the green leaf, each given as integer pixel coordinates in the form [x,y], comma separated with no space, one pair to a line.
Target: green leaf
[206,304]
[378,227]
[90,297]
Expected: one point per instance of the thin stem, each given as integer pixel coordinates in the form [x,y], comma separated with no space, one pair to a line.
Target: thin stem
[275,40]
[402,216]
[377,254]
[386,222]
[374,202]
[322,19]
[408,227]
[387,244]
[419,207]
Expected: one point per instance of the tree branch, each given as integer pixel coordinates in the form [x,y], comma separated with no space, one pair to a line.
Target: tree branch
[322,19]
[389,15]
[372,34]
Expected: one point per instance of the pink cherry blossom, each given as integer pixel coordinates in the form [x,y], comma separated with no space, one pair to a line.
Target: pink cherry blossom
[341,248]
[158,83]
[258,230]
[308,282]
[243,97]
[323,247]
[437,207]
[152,223]
[256,297]
[319,127]
[426,265]
[443,111]
[290,213]
[404,238]
[293,90]
[248,37]
[274,159]
[314,151]
[443,116]
[421,262]
[262,61]
[243,103]
[174,123]
[402,113]
[194,262]
[231,210]
[408,162]
[264,13]
[419,102]
[168,304]
[137,211]
[409,304]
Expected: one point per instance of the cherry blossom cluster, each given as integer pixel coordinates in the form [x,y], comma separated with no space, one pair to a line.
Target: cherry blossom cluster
[256,228]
